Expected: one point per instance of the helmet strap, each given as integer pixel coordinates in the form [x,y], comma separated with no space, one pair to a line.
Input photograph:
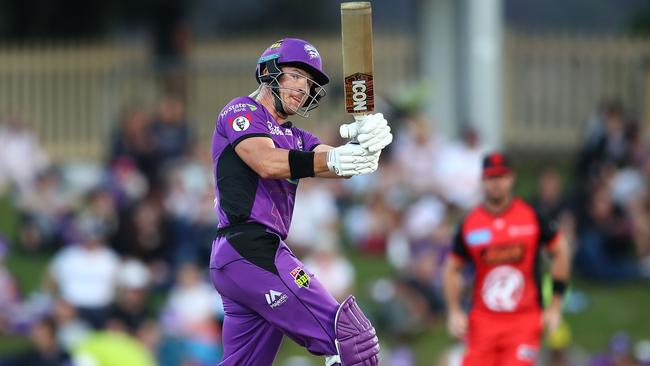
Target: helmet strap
[271,78]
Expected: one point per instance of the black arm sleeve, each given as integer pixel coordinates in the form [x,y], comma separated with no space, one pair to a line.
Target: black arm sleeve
[548,229]
[458,246]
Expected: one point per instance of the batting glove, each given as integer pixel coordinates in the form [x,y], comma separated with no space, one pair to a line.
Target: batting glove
[371,131]
[351,159]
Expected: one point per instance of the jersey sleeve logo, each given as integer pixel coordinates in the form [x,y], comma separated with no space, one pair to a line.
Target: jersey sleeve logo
[240,123]
[503,288]
[300,277]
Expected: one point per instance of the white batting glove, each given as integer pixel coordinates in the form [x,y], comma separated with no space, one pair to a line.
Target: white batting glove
[351,159]
[372,131]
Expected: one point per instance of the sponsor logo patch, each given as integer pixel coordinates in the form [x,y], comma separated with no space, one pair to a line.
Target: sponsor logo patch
[522,230]
[275,130]
[478,237]
[275,298]
[300,277]
[240,123]
[503,288]
[238,108]
[500,254]
[311,51]
[526,352]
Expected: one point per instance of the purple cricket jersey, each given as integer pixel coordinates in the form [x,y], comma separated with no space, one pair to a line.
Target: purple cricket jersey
[242,196]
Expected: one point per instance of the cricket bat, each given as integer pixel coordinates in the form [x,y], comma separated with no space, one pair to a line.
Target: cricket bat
[356,34]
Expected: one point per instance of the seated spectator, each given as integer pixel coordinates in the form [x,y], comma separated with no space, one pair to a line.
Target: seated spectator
[457,169]
[605,141]
[146,235]
[84,274]
[101,205]
[316,218]
[619,352]
[189,320]
[131,141]
[130,312]
[22,158]
[70,329]
[9,295]
[401,311]
[46,350]
[189,204]
[170,136]
[550,201]
[414,153]
[639,212]
[43,212]
[371,224]
[605,249]
[334,271]
[128,183]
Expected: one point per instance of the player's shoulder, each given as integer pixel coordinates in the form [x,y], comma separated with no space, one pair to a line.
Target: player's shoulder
[471,215]
[239,105]
[521,204]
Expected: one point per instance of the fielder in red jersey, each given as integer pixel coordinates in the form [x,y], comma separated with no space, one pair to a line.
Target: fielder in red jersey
[504,237]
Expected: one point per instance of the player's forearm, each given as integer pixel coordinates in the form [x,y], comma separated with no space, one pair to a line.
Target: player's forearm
[560,271]
[560,262]
[276,165]
[453,285]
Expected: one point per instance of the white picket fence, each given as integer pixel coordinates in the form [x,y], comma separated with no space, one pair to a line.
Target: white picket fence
[552,85]
[72,93]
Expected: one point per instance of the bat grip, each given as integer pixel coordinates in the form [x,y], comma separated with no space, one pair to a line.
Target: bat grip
[351,131]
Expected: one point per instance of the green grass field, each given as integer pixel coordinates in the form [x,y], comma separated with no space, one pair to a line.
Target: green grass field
[611,308]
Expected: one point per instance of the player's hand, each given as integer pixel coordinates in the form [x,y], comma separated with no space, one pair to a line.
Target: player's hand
[351,159]
[372,131]
[552,317]
[457,323]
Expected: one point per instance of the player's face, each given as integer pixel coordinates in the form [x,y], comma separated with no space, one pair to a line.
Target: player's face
[294,88]
[497,189]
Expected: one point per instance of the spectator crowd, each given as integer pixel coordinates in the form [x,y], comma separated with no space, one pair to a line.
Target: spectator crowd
[127,240]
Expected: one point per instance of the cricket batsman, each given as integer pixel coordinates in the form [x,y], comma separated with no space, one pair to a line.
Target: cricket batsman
[504,238]
[259,159]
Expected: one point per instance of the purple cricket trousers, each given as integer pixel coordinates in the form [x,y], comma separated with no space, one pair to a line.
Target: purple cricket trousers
[268,293]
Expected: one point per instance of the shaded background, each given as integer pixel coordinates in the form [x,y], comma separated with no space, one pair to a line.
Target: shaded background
[106,203]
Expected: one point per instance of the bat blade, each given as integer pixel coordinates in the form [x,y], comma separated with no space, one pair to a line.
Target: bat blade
[356,34]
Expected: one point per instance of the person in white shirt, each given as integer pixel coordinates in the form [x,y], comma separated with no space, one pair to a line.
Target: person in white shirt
[84,275]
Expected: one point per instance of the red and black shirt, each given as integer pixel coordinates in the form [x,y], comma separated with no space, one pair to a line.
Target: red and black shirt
[505,249]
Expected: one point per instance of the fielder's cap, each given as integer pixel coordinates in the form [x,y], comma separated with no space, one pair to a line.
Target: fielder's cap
[496,164]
